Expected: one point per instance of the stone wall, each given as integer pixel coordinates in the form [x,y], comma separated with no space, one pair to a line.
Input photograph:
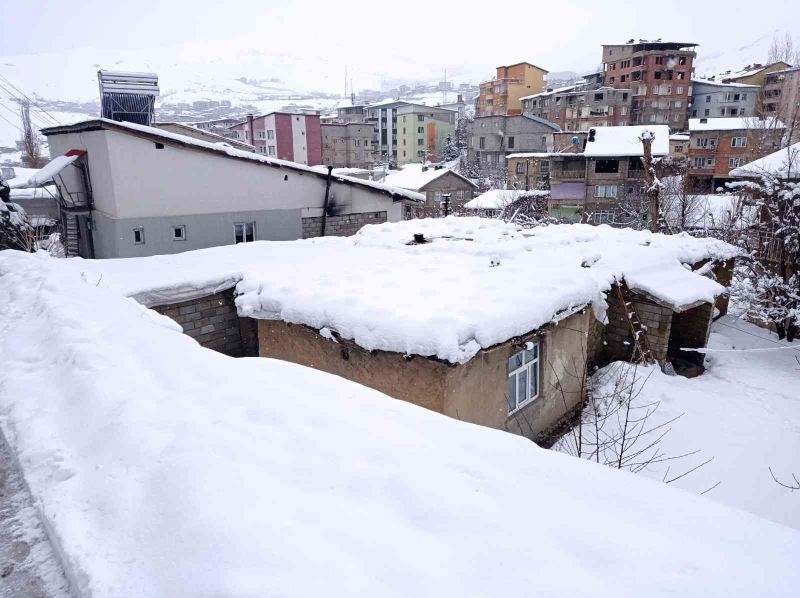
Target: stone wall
[341,226]
[212,321]
[618,336]
[690,329]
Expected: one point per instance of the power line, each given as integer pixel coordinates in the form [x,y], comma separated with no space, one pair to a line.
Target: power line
[34,114]
[12,124]
[54,119]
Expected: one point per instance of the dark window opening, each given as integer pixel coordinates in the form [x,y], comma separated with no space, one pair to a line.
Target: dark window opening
[606,166]
[159,145]
[635,164]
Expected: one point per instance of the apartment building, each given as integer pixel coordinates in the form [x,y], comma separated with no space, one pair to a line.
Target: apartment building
[352,114]
[781,98]
[347,145]
[718,145]
[503,94]
[581,107]
[422,132]
[714,99]
[284,135]
[752,74]
[491,138]
[597,177]
[659,75]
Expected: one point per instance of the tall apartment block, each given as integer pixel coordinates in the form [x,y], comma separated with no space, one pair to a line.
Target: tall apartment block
[284,135]
[659,75]
[503,94]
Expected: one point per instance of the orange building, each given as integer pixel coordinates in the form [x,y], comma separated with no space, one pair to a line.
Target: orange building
[502,95]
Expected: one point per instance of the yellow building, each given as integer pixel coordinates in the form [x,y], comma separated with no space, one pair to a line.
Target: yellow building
[502,94]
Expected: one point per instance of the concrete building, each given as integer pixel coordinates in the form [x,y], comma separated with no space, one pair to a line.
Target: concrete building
[383,117]
[659,75]
[752,74]
[502,95]
[129,190]
[597,181]
[719,145]
[351,114]
[712,99]
[781,99]
[421,132]
[347,145]
[679,145]
[206,134]
[581,107]
[284,135]
[491,138]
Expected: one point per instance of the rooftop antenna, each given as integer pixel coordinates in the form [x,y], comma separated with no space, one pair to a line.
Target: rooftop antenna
[345,80]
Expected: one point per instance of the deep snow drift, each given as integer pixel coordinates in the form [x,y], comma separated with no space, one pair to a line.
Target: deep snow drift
[166,469]
[443,298]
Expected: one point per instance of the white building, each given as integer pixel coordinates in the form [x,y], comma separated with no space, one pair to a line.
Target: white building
[131,190]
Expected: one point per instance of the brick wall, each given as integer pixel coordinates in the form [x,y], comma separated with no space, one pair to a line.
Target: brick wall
[341,226]
[211,320]
[618,336]
[691,329]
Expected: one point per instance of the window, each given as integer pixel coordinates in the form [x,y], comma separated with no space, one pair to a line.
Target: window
[603,216]
[510,143]
[482,142]
[609,191]
[520,168]
[420,117]
[738,141]
[420,154]
[523,377]
[705,142]
[708,99]
[138,236]
[179,232]
[420,142]
[679,89]
[735,162]
[606,166]
[244,232]
[421,130]
[706,112]
[635,164]
[703,162]
[270,134]
[271,150]
[598,97]
[259,134]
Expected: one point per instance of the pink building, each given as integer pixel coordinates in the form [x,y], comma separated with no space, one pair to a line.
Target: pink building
[284,135]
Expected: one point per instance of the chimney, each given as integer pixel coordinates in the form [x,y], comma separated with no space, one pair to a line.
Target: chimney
[252,139]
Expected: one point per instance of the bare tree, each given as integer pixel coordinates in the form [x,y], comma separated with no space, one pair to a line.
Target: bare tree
[793,485]
[783,49]
[652,188]
[31,141]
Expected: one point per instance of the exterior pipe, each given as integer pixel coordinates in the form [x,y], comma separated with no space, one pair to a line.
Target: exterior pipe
[327,198]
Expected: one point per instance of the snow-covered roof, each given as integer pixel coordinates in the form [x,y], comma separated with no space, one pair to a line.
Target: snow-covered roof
[438,299]
[785,163]
[679,137]
[415,177]
[226,150]
[626,141]
[48,192]
[725,85]
[497,199]
[733,123]
[161,468]
[51,169]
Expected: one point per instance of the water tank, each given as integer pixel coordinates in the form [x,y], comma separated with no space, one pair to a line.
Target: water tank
[128,96]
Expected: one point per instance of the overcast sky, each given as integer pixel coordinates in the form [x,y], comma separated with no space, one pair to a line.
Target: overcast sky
[560,35]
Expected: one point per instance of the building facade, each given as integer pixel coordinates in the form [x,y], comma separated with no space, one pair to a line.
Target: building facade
[347,145]
[128,191]
[581,107]
[422,132]
[284,135]
[718,145]
[781,99]
[719,100]
[503,94]
[491,138]
[659,75]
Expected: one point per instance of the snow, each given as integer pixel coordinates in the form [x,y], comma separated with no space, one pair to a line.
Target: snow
[51,169]
[372,287]
[164,469]
[626,141]
[725,85]
[414,178]
[733,124]
[783,164]
[744,411]
[21,176]
[497,199]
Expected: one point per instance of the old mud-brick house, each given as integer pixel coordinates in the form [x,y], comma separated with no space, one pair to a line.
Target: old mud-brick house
[469,317]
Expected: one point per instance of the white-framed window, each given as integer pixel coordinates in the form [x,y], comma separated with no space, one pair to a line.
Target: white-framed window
[605,191]
[179,232]
[603,216]
[523,377]
[270,134]
[271,150]
[244,232]
[735,162]
[520,168]
[259,134]
[738,141]
[138,235]
[705,142]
